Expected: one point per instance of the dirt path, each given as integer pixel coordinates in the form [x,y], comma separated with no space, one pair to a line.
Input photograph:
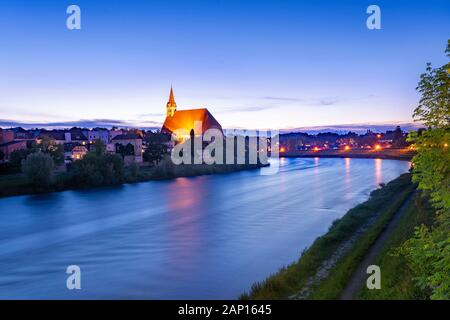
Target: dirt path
[359,277]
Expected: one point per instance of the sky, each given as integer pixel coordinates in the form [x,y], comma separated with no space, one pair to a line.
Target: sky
[275,64]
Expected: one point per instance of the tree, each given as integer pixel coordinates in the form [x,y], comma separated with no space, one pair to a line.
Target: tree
[98,147]
[48,145]
[428,252]
[156,147]
[16,157]
[127,150]
[38,168]
[97,168]
[431,163]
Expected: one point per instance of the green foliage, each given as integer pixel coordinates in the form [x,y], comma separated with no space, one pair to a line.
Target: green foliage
[38,168]
[156,148]
[97,168]
[48,145]
[396,276]
[127,150]
[428,252]
[16,157]
[432,165]
[434,86]
[134,169]
[98,147]
[428,255]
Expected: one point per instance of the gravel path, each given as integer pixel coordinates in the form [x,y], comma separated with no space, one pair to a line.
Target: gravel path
[359,277]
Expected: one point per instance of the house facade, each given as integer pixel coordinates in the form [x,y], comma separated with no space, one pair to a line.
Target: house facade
[132,143]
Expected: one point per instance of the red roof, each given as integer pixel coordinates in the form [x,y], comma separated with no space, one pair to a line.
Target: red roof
[185,119]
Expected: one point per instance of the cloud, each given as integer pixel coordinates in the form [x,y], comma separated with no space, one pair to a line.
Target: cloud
[108,123]
[289,99]
[317,101]
[152,115]
[329,101]
[246,109]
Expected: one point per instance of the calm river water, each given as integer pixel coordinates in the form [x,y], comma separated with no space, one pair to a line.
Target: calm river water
[205,237]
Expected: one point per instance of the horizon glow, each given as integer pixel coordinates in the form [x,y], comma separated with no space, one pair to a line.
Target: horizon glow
[260,64]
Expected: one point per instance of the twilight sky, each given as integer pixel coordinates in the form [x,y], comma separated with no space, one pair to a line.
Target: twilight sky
[253,63]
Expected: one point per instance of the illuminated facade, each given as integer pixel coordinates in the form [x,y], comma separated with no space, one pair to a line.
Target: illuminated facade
[187,121]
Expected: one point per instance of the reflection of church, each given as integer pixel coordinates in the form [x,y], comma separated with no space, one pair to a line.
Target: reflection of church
[185,119]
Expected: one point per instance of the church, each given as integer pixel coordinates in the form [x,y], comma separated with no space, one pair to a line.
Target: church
[185,119]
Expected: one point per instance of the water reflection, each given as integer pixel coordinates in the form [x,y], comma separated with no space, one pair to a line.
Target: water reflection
[189,238]
[348,178]
[378,171]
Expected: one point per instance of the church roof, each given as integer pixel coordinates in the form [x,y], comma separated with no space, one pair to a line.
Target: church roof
[184,119]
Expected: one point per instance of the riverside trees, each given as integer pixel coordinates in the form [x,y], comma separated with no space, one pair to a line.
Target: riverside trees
[38,168]
[428,253]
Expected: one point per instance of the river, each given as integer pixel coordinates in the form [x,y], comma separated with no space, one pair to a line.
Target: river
[207,237]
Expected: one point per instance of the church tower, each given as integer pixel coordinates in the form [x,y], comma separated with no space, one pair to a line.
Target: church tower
[171,106]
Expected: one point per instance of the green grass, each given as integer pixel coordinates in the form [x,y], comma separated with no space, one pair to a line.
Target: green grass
[396,278]
[289,280]
[332,286]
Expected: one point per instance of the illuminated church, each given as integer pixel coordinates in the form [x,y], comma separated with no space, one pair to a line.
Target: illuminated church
[185,119]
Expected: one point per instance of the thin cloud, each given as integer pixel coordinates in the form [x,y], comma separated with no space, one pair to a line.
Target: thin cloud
[108,123]
[246,109]
[289,99]
[152,115]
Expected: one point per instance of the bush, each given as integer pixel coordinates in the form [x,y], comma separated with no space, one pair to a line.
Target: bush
[96,170]
[38,168]
[16,158]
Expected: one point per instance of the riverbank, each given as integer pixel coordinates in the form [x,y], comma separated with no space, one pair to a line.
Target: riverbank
[324,268]
[405,154]
[17,184]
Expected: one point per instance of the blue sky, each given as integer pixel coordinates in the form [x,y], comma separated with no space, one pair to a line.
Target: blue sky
[253,63]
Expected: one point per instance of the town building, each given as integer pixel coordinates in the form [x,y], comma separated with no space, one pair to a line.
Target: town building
[130,146]
[98,134]
[8,144]
[177,120]
[9,147]
[78,152]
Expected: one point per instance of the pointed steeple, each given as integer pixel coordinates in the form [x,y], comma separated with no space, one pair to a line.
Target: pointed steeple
[171,97]
[171,106]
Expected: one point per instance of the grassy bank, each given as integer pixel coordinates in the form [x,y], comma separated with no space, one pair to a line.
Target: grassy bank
[396,277]
[332,286]
[17,184]
[376,211]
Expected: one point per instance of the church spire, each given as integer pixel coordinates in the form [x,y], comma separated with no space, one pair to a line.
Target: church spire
[171,97]
[171,106]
